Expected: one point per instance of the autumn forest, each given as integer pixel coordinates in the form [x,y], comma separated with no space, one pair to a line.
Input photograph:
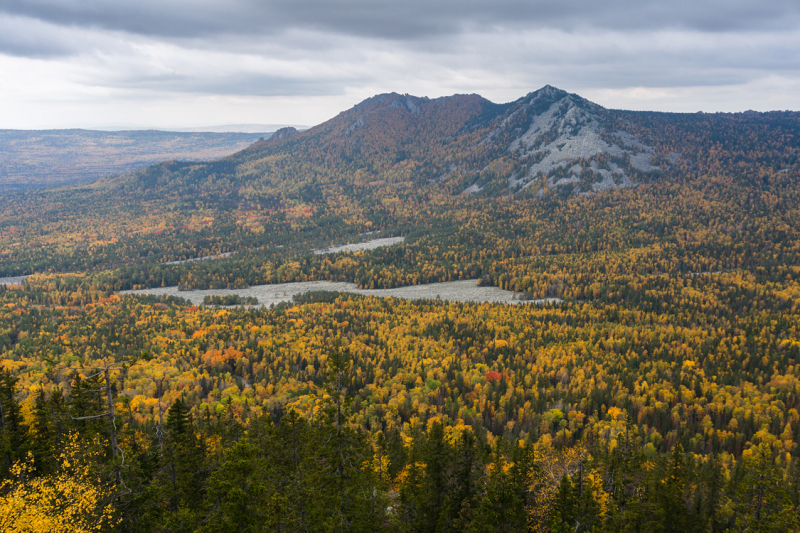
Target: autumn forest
[647,378]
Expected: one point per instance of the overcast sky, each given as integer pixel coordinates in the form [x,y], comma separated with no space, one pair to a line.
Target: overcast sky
[184,63]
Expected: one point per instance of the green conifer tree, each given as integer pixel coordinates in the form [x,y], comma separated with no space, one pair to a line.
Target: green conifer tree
[14,442]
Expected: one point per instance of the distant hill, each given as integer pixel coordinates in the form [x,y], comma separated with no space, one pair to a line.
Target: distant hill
[238,128]
[46,158]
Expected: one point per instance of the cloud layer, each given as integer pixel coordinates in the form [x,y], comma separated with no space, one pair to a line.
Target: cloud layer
[184,63]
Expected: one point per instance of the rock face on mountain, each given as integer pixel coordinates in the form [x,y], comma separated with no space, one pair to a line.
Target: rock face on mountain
[559,139]
[566,133]
[284,133]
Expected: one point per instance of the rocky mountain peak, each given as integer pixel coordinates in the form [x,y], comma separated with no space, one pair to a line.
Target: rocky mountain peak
[562,139]
[284,133]
[408,102]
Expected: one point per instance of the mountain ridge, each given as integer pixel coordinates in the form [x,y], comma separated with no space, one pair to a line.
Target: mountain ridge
[548,138]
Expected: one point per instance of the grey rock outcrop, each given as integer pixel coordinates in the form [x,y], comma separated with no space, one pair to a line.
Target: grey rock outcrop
[568,142]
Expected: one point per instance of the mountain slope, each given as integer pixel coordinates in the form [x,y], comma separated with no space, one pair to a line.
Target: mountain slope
[384,138]
[401,164]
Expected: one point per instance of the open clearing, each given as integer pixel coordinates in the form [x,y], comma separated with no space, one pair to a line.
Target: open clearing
[352,247]
[13,280]
[204,258]
[454,291]
[359,246]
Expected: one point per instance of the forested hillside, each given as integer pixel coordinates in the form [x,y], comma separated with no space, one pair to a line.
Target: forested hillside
[661,393]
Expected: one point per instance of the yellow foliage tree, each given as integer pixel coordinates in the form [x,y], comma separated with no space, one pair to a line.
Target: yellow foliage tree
[72,500]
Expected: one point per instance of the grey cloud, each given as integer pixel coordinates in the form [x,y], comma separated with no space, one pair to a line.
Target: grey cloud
[238,84]
[162,50]
[619,60]
[600,59]
[411,19]
[36,39]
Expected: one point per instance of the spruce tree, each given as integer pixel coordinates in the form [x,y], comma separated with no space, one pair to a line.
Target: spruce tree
[176,494]
[50,429]
[670,493]
[501,509]
[13,432]
[238,496]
